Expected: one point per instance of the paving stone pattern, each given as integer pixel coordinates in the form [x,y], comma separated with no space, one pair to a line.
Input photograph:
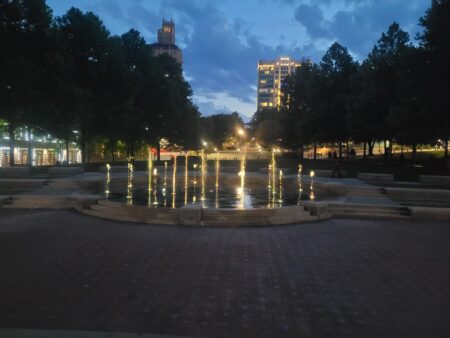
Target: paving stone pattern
[336,278]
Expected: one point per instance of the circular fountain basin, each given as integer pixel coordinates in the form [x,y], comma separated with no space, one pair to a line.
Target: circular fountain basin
[228,204]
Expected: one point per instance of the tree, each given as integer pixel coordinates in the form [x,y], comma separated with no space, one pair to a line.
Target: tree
[266,126]
[83,42]
[336,68]
[385,60]
[24,29]
[435,40]
[217,128]
[300,103]
[362,121]
[408,118]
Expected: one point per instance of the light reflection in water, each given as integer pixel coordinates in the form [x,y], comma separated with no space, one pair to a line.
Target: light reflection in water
[241,190]
[278,192]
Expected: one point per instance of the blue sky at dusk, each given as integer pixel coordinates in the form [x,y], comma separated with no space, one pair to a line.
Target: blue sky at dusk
[222,40]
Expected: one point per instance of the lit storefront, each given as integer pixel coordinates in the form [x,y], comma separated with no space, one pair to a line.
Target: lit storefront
[45,150]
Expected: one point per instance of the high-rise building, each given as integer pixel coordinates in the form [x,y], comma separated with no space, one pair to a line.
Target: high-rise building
[166,42]
[270,78]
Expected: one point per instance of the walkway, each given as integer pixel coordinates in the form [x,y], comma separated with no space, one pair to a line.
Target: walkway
[337,278]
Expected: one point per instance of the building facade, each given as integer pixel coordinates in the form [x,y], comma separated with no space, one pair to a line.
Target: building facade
[166,42]
[270,78]
[46,150]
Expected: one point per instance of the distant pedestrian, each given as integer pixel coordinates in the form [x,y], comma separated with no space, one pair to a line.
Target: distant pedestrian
[334,154]
[329,155]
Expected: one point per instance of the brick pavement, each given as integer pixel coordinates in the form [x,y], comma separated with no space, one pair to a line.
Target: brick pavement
[336,278]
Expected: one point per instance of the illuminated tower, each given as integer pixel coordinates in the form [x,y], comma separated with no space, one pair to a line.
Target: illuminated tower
[166,42]
[270,78]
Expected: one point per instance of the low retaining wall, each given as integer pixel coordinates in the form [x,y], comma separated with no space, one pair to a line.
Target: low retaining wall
[438,181]
[195,215]
[420,197]
[14,172]
[430,214]
[64,171]
[375,178]
[21,184]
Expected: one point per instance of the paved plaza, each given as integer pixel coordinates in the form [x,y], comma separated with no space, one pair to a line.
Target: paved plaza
[337,278]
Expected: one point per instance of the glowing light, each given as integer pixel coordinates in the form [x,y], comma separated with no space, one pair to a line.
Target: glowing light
[150,179]
[108,180]
[130,181]
[203,177]
[217,179]
[174,181]
[186,182]
[239,191]
[280,181]
[165,184]
[299,182]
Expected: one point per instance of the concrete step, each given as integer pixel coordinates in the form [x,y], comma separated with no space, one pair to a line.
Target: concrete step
[351,211]
[372,216]
[361,206]
[264,222]
[366,193]
[369,211]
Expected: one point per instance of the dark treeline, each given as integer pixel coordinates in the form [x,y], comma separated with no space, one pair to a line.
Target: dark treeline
[70,77]
[399,94]
[216,129]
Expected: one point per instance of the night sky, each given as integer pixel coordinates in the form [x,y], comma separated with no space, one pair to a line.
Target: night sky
[222,40]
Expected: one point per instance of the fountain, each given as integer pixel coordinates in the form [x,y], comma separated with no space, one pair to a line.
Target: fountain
[276,190]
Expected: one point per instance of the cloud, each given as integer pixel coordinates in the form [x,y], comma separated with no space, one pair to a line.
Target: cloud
[221,54]
[222,42]
[358,24]
[311,17]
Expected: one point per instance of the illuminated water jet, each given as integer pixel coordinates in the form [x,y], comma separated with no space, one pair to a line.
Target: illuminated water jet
[108,180]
